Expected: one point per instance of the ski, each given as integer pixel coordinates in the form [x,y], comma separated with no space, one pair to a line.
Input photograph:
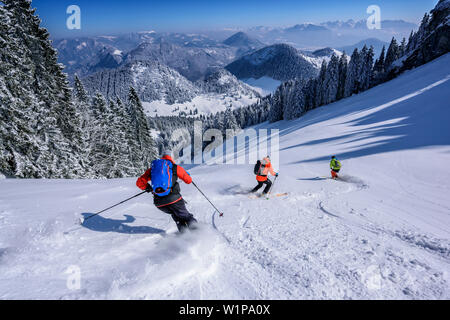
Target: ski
[276,195]
[268,197]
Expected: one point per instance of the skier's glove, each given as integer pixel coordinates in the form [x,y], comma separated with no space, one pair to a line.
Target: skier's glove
[277,175]
[149,188]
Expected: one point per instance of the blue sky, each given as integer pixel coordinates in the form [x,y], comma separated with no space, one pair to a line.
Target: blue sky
[112,17]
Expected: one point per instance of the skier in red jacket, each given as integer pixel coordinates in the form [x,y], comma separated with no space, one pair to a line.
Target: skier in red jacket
[172,203]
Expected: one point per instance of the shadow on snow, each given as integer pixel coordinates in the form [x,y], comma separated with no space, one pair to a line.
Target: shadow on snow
[101,224]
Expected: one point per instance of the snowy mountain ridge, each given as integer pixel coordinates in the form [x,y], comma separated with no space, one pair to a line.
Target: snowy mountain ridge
[191,62]
[152,80]
[335,34]
[280,62]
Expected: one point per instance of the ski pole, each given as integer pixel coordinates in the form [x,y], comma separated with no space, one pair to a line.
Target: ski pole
[220,213]
[83,220]
[271,188]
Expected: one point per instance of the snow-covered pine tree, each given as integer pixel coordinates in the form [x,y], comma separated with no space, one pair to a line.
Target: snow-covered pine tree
[361,69]
[110,150]
[138,121]
[84,109]
[219,121]
[296,100]
[231,122]
[343,66]
[288,100]
[351,81]
[392,54]
[431,40]
[54,123]
[241,117]
[79,91]
[277,105]
[286,91]
[331,82]
[378,69]
[265,106]
[129,144]
[52,87]
[423,29]
[366,72]
[320,98]
[17,117]
[402,48]
[100,150]
[410,46]
[415,38]
[121,141]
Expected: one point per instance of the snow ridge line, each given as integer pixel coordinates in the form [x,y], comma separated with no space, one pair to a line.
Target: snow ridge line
[422,241]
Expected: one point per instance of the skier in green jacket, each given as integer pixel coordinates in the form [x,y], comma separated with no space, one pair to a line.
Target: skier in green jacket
[335,166]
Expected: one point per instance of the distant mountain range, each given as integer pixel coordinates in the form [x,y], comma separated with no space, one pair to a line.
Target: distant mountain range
[306,27]
[168,74]
[396,25]
[331,34]
[88,55]
[177,67]
[189,54]
[162,69]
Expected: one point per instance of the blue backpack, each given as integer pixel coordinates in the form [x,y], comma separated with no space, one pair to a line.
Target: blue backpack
[161,177]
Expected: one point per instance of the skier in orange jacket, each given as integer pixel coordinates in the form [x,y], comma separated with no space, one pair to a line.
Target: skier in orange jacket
[262,170]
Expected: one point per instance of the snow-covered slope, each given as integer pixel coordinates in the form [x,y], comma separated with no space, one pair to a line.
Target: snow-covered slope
[381,233]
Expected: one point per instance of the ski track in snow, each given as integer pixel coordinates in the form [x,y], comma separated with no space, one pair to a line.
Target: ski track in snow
[382,232]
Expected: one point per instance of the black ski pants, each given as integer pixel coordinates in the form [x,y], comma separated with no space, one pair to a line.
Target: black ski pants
[182,217]
[268,184]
